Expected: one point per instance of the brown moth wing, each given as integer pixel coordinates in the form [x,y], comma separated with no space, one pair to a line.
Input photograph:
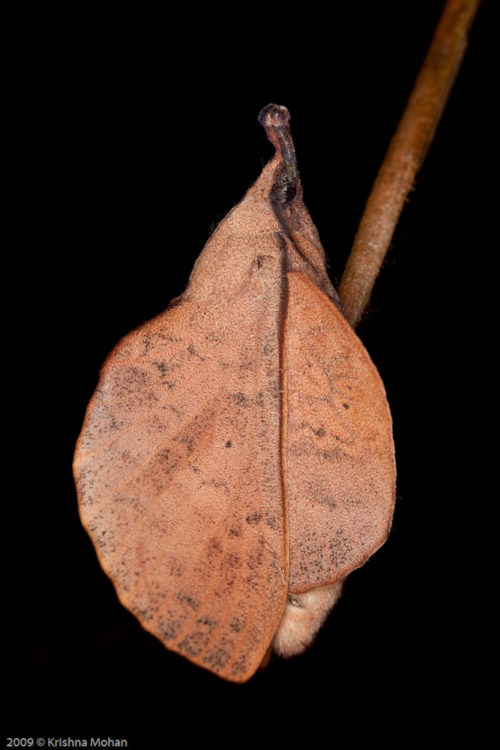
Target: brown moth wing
[250,393]
[340,466]
[178,466]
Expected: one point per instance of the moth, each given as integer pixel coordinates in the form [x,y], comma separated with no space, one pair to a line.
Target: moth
[236,460]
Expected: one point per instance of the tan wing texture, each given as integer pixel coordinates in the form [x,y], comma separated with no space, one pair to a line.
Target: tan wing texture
[179,479]
[340,469]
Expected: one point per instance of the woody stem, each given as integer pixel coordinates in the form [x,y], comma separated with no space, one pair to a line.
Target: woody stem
[405,155]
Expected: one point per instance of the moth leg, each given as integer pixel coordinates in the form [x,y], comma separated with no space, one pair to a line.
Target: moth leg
[303,616]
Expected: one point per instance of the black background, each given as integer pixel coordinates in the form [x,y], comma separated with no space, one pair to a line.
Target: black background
[138,135]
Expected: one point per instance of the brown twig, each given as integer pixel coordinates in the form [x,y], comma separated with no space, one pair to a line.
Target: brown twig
[405,155]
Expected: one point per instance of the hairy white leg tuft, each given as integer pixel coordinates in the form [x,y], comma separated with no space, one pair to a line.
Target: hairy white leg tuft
[304,615]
